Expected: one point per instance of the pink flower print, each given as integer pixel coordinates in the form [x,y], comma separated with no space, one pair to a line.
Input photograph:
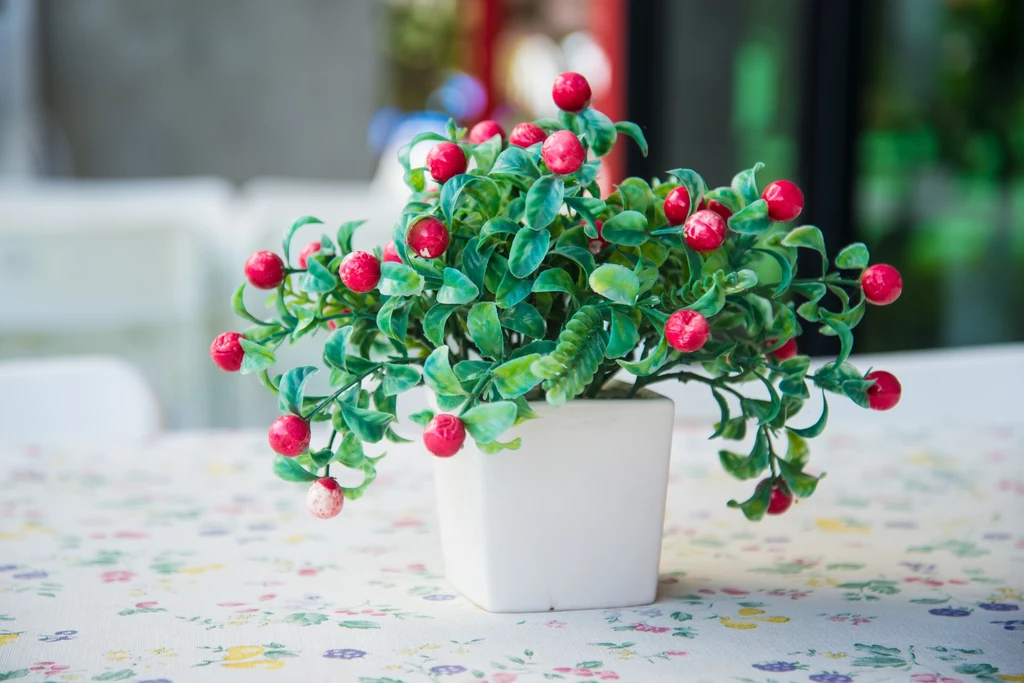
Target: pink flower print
[555,624]
[145,605]
[131,534]
[645,628]
[933,678]
[706,591]
[676,653]
[308,571]
[735,591]
[230,604]
[117,575]
[420,568]
[857,621]
[268,596]
[504,678]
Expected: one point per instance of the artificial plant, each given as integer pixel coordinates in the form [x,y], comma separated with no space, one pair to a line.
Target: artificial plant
[509,278]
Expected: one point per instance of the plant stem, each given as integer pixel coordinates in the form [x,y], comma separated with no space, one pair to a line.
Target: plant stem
[477,390]
[772,457]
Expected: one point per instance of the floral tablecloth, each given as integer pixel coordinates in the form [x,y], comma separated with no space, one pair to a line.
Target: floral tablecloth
[185,560]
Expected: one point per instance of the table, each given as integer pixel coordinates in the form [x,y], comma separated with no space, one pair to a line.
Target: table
[183,559]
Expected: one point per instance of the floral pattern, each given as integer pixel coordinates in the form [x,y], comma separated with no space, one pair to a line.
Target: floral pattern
[185,559]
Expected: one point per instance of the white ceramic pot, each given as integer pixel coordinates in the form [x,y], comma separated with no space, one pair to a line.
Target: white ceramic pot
[572,520]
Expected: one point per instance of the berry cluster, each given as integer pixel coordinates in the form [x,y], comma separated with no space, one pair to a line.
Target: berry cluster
[508,260]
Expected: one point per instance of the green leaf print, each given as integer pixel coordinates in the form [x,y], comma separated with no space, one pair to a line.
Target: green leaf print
[305,618]
[359,624]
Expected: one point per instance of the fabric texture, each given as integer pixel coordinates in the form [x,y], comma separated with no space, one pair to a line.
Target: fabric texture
[186,560]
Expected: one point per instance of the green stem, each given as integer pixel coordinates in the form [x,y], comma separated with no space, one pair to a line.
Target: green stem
[477,390]
[772,457]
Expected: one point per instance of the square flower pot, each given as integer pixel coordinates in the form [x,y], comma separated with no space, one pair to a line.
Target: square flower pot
[571,520]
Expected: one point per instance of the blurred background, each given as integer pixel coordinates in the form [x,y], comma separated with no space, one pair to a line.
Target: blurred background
[147,147]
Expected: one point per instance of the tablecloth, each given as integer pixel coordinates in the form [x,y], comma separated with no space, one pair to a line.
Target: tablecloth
[184,559]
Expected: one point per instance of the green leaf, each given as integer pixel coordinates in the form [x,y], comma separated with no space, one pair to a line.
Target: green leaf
[632,130]
[321,458]
[475,258]
[305,324]
[516,377]
[393,318]
[693,183]
[457,288]
[807,237]
[286,243]
[471,370]
[450,193]
[795,387]
[735,429]
[515,161]
[853,257]
[543,201]
[752,219]
[485,330]
[615,282]
[525,319]
[345,232]
[727,197]
[649,365]
[845,336]
[589,208]
[798,451]
[350,452]
[398,279]
[439,376]
[555,280]
[511,290]
[776,401]
[317,278]
[487,421]
[485,153]
[599,131]
[336,347]
[623,336]
[745,184]
[257,357]
[785,268]
[368,425]
[292,387]
[712,301]
[568,369]
[289,470]
[756,506]
[434,322]
[399,378]
[579,255]
[360,624]
[748,466]
[529,247]
[857,390]
[818,427]
[423,417]
[628,228]
[723,407]
[801,484]
[238,305]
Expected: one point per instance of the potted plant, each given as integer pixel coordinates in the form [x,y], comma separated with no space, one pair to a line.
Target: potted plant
[514,291]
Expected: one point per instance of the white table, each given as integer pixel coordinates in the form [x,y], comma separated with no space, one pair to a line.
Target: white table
[184,559]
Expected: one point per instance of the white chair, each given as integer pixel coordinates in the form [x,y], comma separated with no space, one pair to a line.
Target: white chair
[75,399]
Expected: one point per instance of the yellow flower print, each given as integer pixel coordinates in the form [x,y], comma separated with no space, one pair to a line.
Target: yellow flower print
[268,664]
[747,617]
[200,570]
[393,667]
[835,525]
[822,582]
[1019,678]
[405,652]
[117,656]
[835,655]
[242,652]
[430,647]
[8,638]
[460,651]
[1009,594]
[166,652]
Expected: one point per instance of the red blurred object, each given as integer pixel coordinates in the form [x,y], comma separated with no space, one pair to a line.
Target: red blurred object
[485,28]
[608,21]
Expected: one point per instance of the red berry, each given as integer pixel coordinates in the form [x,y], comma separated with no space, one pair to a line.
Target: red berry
[226,351]
[306,252]
[264,270]
[780,501]
[390,254]
[705,231]
[360,271]
[445,160]
[687,331]
[571,92]
[428,237]
[526,135]
[785,200]
[716,206]
[677,205]
[882,284]
[325,498]
[885,393]
[444,435]
[289,435]
[598,244]
[484,131]
[563,152]
[784,352]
